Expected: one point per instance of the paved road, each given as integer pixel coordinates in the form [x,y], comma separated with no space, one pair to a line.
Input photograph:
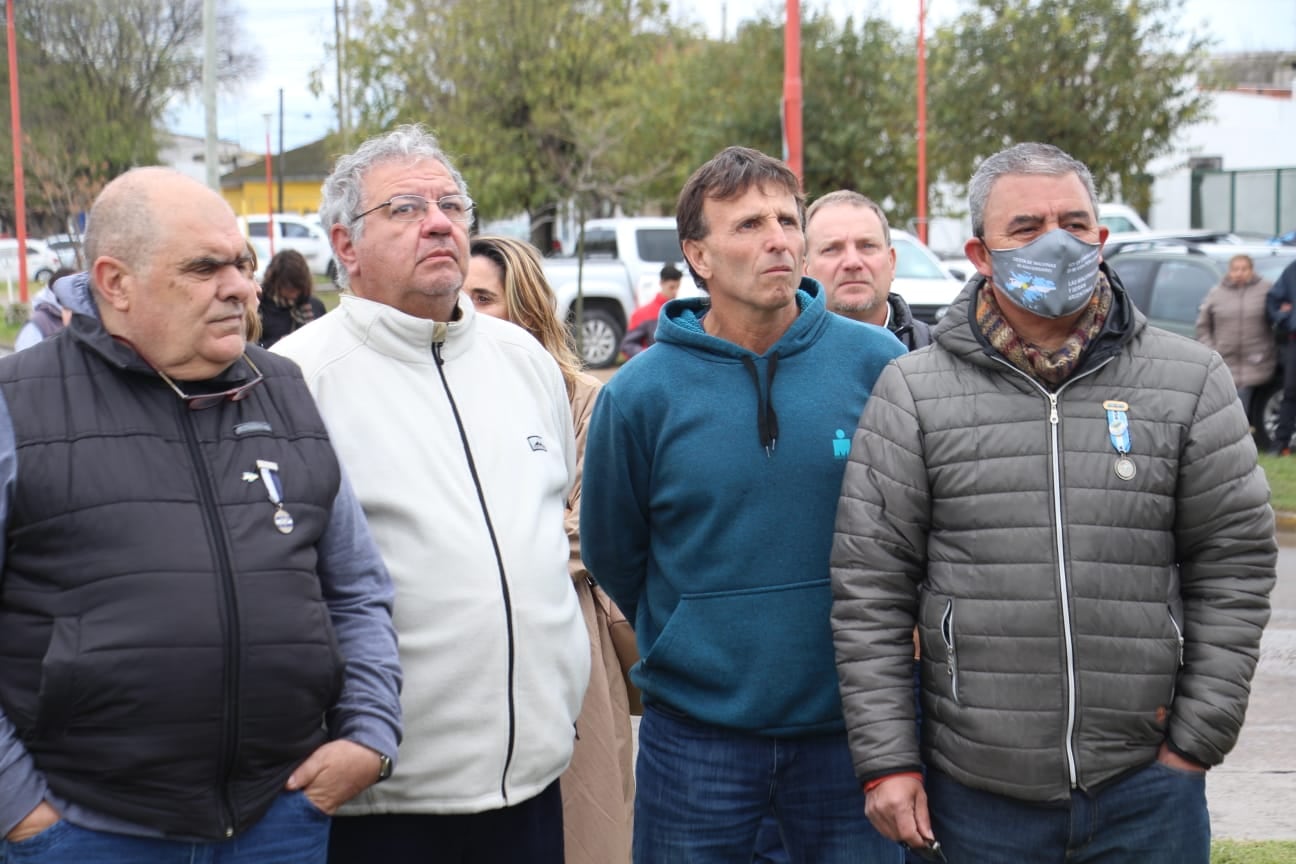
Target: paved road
[1253,794]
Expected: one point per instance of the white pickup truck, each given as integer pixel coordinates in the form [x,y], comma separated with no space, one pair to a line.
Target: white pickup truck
[608,302]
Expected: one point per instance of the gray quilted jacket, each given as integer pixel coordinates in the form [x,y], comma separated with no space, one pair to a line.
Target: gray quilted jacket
[1070,620]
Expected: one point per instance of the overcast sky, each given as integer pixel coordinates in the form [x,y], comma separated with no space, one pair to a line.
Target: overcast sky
[292,36]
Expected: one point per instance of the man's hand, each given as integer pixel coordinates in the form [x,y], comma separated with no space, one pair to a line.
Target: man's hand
[897,807]
[1285,307]
[33,823]
[1171,759]
[335,773]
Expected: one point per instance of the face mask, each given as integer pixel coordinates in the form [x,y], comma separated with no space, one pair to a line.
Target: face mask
[1052,276]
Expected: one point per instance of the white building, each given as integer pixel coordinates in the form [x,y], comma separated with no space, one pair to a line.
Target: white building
[188,155]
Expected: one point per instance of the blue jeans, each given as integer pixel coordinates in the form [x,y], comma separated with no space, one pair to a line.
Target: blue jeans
[1156,815]
[293,831]
[703,791]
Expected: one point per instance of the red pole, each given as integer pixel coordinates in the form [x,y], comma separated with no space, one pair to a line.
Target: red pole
[270,229]
[922,124]
[792,87]
[15,122]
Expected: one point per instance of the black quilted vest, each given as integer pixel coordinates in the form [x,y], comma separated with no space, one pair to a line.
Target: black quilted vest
[165,652]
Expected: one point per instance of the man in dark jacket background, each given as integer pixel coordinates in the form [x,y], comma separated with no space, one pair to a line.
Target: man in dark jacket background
[196,647]
[1279,304]
[1066,502]
[849,251]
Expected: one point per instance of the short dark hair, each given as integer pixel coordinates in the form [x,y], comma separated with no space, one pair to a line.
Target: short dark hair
[728,174]
[671,273]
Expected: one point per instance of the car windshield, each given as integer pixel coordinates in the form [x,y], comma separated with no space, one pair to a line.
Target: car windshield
[912,263]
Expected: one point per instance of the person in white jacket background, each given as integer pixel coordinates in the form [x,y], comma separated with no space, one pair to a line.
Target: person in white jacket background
[456,431]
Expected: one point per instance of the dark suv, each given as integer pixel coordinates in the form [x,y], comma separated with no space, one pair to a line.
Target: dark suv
[1168,283]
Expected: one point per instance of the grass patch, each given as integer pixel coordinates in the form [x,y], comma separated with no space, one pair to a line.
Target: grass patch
[1253,852]
[1281,473]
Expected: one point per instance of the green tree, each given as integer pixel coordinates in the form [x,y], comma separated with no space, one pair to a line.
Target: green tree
[535,101]
[1109,81]
[95,80]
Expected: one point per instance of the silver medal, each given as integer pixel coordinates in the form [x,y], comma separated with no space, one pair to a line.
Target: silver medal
[283,521]
[1125,469]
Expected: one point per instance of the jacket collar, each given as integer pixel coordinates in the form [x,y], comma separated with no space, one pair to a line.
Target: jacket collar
[682,325]
[404,337]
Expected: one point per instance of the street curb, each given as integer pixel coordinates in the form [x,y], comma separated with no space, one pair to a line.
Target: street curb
[1285,520]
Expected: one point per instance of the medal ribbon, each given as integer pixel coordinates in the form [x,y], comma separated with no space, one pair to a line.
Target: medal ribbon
[1118,425]
[270,479]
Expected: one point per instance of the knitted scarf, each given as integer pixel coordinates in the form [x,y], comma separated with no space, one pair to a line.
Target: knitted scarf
[1050,367]
[300,310]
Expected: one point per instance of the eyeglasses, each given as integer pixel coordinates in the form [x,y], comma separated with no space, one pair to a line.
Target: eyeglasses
[412,208]
[207,400]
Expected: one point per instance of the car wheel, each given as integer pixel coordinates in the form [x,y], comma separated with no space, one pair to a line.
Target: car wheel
[600,339]
[1267,404]
[331,271]
[43,275]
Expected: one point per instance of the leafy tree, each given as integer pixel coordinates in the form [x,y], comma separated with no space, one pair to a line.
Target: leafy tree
[1109,81]
[95,78]
[535,101]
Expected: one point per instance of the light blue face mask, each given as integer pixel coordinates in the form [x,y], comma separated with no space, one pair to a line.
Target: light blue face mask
[1052,276]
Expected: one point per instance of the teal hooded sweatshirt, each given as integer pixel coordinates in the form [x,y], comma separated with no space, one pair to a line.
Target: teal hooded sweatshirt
[710,490]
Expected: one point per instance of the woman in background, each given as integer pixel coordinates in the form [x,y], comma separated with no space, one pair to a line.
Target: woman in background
[506,280]
[1232,320]
[286,299]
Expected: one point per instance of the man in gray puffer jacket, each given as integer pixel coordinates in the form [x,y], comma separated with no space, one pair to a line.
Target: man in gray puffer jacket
[1066,501]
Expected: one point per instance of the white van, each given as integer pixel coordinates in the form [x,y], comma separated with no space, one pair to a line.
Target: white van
[290,232]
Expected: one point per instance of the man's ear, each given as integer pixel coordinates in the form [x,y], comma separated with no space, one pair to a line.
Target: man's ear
[976,252]
[695,254]
[113,280]
[343,248]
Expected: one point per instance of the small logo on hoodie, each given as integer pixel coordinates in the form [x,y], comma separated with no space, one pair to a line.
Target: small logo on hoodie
[537,443]
[841,446]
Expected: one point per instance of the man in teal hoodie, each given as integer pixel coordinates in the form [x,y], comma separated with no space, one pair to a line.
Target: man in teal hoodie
[712,472]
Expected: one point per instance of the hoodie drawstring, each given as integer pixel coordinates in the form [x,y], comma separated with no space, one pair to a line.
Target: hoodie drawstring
[766,419]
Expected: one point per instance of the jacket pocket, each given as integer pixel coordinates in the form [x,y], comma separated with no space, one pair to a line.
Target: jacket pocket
[1179,640]
[951,650]
[58,685]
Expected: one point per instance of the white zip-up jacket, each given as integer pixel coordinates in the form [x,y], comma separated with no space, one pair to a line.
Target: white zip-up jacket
[458,440]
[1073,614]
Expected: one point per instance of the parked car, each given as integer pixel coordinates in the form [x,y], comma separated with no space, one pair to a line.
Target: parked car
[1127,241]
[643,244]
[42,262]
[922,279]
[290,232]
[1121,217]
[68,248]
[609,301]
[1168,284]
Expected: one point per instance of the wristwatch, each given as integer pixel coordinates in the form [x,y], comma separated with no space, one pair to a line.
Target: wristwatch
[384,767]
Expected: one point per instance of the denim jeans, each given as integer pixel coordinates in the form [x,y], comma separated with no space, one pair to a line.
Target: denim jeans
[293,831]
[703,791]
[1156,815]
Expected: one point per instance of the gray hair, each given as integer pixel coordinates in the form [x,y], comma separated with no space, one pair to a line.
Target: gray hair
[854,199]
[122,223]
[342,189]
[1027,158]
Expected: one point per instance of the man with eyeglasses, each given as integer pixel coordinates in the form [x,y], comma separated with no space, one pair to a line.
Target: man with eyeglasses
[456,430]
[197,656]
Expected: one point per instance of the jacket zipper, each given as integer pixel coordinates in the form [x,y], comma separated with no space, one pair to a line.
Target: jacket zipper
[216,536]
[1064,590]
[499,563]
[947,635]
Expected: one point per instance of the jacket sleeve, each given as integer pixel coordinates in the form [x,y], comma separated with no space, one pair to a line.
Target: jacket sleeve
[22,787]
[1224,535]
[1281,292]
[879,557]
[359,593]
[614,525]
[1206,321]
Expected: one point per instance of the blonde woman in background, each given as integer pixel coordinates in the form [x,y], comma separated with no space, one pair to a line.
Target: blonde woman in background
[506,280]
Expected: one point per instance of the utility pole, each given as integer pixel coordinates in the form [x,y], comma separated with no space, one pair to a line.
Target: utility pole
[15,121]
[211,143]
[792,88]
[280,170]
